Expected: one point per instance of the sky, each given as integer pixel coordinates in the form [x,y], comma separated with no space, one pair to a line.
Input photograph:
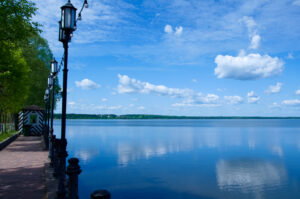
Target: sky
[180,57]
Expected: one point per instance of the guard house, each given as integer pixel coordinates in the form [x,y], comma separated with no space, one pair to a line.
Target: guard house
[31,120]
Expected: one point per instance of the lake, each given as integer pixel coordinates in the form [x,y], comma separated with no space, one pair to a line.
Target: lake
[189,159]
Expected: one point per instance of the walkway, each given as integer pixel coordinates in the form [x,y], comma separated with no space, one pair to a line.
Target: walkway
[22,169]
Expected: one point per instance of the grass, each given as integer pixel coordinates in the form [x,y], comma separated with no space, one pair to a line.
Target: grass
[5,135]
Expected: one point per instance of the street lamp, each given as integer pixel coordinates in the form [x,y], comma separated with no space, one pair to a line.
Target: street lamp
[46,99]
[54,71]
[66,27]
[54,68]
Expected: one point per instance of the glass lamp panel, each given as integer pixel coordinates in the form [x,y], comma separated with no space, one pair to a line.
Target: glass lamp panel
[73,18]
[54,67]
[50,81]
[62,18]
[67,18]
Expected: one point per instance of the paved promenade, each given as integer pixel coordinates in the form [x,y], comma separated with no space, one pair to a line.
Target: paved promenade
[22,169]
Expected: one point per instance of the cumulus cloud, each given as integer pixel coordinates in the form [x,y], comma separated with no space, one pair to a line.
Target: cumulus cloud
[189,96]
[274,89]
[234,99]
[252,97]
[169,30]
[104,99]
[178,30]
[247,66]
[297,92]
[86,84]
[293,102]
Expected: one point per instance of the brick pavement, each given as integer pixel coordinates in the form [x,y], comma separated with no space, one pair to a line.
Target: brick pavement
[22,169]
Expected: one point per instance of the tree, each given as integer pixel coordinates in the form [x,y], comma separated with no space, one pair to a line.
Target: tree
[38,56]
[14,80]
[16,20]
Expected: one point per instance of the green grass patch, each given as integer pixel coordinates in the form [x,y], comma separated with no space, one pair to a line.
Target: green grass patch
[5,135]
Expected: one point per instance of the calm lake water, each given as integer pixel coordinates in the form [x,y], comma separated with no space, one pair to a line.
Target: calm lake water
[188,159]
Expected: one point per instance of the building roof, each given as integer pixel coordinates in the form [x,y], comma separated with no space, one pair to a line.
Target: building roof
[33,108]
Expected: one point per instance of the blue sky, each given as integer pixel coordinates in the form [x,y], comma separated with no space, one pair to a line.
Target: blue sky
[181,57]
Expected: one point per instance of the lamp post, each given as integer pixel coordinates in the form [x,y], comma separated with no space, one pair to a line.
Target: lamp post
[54,71]
[66,27]
[46,99]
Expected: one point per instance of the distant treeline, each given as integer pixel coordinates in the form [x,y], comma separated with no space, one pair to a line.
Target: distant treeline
[143,116]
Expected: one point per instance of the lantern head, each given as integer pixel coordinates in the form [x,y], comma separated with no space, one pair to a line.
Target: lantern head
[54,68]
[68,17]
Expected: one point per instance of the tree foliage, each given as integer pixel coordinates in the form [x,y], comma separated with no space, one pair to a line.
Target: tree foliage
[16,20]
[24,57]
[14,78]
[38,56]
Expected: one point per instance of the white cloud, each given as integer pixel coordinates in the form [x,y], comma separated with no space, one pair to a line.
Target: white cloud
[274,89]
[250,23]
[141,108]
[194,80]
[275,105]
[86,84]
[108,107]
[71,103]
[189,96]
[293,102]
[168,29]
[255,42]
[104,99]
[247,67]
[234,99]
[297,92]
[178,30]
[252,97]
[252,32]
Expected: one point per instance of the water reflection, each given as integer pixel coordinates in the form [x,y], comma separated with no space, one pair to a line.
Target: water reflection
[187,159]
[249,175]
[85,154]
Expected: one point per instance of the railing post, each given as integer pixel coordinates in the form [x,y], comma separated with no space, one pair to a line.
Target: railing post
[55,156]
[73,170]
[100,194]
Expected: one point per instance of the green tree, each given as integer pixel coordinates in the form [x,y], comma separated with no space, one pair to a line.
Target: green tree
[14,80]
[16,20]
[38,56]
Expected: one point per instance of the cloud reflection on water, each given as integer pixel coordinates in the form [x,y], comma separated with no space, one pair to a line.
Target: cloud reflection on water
[249,175]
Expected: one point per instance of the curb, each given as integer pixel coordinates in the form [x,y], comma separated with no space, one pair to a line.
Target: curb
[7,141]
[51,182]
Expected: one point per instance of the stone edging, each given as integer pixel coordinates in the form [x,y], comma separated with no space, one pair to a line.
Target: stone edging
[7,141]
[51,182]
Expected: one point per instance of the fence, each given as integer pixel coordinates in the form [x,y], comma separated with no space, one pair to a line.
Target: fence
[8,127]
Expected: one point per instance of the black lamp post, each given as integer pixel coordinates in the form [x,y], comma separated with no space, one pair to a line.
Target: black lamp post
[54,71]
[46,99]
[66,27]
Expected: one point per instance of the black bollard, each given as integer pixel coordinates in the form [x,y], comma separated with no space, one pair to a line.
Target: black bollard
[73,170]
[100,194]
[55,156]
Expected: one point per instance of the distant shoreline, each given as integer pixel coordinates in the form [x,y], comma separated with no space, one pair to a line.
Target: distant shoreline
[144,116]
